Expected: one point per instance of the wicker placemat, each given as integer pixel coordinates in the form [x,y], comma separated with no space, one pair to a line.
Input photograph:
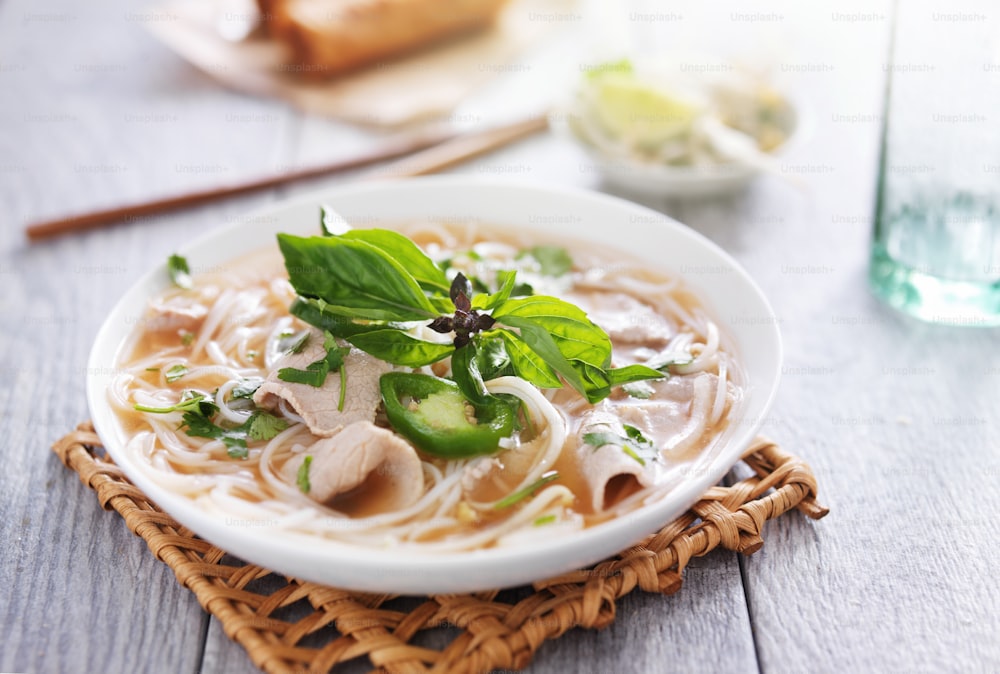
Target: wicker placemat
[286,625]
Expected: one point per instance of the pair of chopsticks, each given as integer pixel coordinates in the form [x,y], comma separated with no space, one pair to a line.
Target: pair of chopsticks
[416,156]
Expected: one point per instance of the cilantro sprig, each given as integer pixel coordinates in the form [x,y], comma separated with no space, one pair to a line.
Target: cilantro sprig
[634,444]
[316,372]
[199,421]
[260,425]
[369,286]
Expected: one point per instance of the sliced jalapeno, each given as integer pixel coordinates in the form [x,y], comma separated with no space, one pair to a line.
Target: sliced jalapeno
[433,414]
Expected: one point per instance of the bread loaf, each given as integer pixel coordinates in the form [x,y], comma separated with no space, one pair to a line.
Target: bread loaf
[331,37]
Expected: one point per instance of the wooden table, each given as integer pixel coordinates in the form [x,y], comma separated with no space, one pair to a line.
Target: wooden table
[898,419]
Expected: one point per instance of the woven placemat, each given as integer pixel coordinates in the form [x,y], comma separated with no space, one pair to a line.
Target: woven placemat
[287,625]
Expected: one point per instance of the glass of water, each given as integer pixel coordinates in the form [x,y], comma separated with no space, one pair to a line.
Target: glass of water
[936,248]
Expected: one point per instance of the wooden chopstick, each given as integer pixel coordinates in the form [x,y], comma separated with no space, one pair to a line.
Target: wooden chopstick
[423,154]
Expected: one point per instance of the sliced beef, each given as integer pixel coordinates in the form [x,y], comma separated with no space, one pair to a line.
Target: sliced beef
[318,405]
[366,463]
[607,471]
[175,315]
[624,318]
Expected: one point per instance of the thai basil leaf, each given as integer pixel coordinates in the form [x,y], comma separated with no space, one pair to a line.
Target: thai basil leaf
[399,348]
[576,335]
[354,277]
[312,312]
[427,274]
[465,372]
[528,364]
[507,284]
[664,360]
[631,373]
[332,223]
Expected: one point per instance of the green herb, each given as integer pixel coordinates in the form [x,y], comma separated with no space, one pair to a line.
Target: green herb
[428,275]
[522,494]
[492,358]
[152,369]
[246,388]
[639,389]
[187,338]
[522,290]
[335,356]
[292,343]
[199,425]
[553,260]
[190,400]
[180,272]
[263,425]
[399,348]
[634,443]
[316,372]
[330,222]
[236,448]
[507,283]
[176,372]
[303,477]
[544,519]
[368,286]
[357,278]
[664,360]
[260,425]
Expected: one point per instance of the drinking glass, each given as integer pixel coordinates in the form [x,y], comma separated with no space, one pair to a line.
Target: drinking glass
[936,247]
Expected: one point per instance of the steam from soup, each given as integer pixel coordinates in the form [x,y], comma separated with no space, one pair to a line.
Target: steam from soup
[570,464]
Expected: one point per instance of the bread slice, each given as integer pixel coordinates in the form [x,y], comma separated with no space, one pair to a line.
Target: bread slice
[331,37]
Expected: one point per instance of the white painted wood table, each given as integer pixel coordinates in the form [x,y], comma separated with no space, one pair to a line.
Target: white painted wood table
[899,419]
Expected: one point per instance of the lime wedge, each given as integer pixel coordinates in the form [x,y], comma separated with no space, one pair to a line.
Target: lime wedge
[638,112]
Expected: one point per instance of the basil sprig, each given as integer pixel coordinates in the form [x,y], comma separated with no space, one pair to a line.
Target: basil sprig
[370,287]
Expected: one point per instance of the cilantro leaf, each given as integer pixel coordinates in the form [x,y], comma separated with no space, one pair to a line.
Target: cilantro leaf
[199,425]
[314,374]
[180,272]
[264,426]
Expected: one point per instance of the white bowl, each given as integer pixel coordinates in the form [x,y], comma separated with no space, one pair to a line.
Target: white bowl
[656,179]
[736,302]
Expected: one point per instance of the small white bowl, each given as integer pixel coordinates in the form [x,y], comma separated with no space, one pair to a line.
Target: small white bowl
[724,287]
[651,178]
